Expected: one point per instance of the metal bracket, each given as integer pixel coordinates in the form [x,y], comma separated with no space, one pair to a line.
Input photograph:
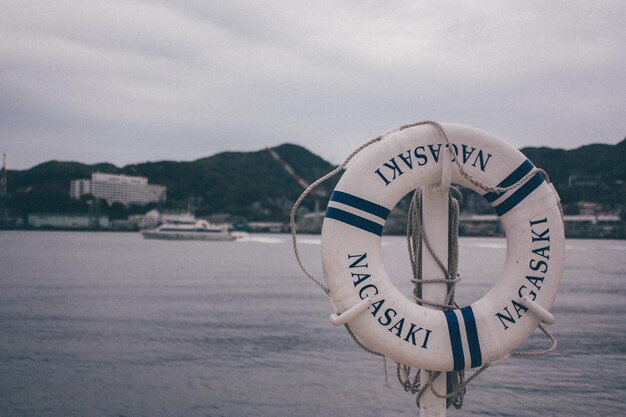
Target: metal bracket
[342,318]
[446,171]
[539,311]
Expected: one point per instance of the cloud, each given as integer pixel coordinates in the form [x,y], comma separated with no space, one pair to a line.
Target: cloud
[132,81]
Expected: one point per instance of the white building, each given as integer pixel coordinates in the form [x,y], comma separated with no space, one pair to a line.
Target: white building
[119,189]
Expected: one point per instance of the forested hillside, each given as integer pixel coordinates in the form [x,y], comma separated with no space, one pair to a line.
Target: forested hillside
[254,185]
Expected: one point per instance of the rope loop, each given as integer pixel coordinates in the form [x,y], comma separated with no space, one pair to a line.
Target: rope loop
[296,205]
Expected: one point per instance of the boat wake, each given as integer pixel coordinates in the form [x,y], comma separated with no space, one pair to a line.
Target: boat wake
[260,239]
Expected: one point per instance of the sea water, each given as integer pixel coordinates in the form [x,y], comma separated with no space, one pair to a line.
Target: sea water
[108,324]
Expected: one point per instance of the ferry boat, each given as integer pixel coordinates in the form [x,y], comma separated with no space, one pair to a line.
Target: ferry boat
[194,230]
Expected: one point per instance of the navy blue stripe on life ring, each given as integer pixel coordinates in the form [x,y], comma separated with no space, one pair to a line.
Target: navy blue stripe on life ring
[513,177]
[455,339]
[360,204]
[520,194]
[354,220]
[472,336]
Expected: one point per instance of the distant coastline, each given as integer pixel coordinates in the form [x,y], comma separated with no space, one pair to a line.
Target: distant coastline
[253,192]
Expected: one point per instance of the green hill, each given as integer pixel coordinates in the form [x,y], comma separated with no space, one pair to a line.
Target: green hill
[254,185]
[606,161]
[251,184]
[603,164]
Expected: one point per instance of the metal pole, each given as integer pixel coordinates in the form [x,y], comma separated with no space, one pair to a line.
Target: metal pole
[435,226]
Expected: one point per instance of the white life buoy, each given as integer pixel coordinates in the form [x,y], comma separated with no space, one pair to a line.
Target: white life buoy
[374,182]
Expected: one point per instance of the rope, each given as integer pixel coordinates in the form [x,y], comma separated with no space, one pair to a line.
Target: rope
[460,390]
[456,382]
[552,348]
[416,237]
[465,174]
[307,191]
[294,209]
[360,344]
[416,240]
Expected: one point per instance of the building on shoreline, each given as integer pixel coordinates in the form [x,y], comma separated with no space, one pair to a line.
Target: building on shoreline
[122,189]
[599,226]
[68,221]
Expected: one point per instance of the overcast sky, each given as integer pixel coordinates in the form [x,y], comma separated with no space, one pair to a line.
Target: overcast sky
[132,81]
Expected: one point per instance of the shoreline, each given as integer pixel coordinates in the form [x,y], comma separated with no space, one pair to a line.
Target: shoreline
[91,230]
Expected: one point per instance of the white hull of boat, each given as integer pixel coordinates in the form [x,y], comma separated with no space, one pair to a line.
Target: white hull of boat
[151,234]
[198,230]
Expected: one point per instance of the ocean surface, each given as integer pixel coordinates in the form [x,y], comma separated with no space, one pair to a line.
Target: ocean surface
[108,324]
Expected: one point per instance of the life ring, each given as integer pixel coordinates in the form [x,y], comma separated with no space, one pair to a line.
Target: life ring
[374,182]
